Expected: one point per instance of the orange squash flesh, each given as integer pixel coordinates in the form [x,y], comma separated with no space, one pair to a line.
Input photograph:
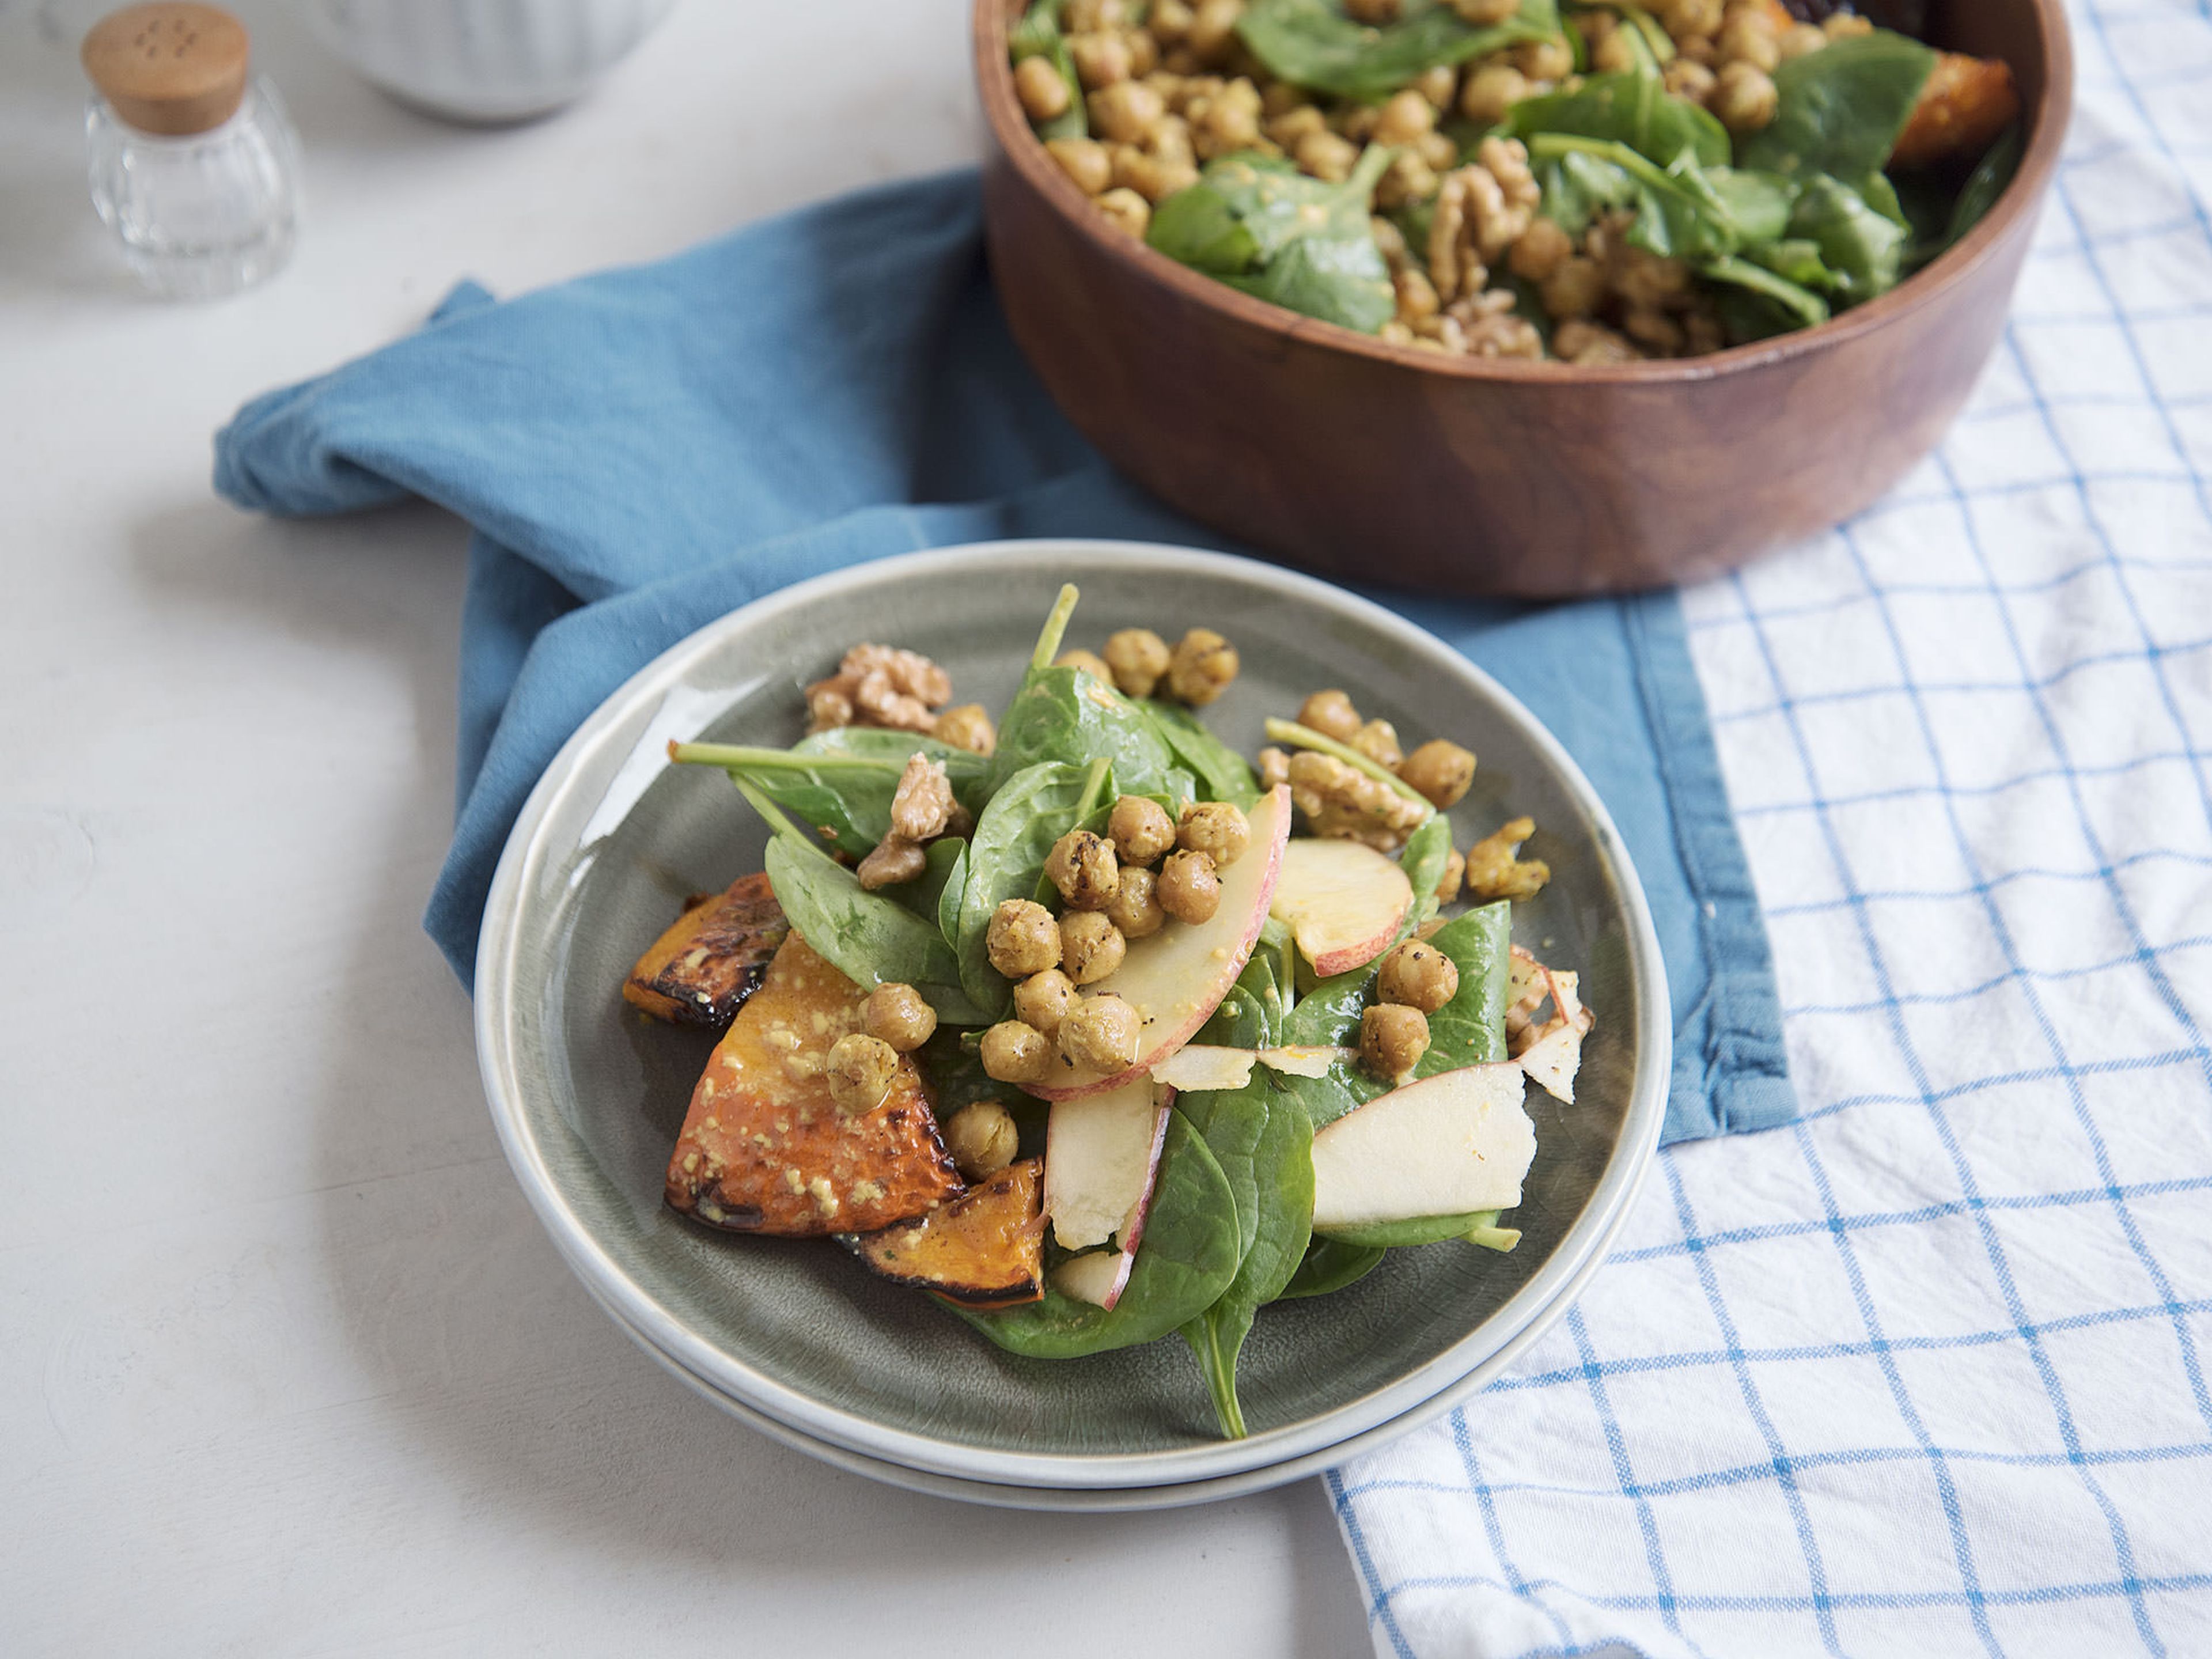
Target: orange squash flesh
[766,1150]
[700,971]
[982,1250]
[1966,104]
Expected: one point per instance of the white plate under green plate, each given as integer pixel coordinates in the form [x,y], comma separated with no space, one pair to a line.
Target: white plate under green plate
[588,1095]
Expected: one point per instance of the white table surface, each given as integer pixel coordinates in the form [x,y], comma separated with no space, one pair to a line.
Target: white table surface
[286,1365]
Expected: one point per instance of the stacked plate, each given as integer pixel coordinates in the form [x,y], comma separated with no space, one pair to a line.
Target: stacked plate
[796,1338]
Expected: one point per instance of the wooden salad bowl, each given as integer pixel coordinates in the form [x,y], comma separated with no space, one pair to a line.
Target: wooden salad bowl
[1336,451]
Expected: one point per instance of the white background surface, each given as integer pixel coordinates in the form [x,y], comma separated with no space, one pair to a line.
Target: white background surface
[285,1364]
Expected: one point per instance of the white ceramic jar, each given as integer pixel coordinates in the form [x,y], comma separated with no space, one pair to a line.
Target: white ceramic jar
[483,60]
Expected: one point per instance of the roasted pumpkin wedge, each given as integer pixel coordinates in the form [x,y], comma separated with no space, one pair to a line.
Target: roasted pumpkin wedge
[700,971]
[982,1250]
[766,1150]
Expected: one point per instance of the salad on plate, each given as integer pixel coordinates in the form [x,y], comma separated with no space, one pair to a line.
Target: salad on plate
[1092,1030]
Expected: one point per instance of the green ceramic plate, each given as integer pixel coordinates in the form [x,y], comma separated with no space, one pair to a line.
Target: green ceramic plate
[797,1337]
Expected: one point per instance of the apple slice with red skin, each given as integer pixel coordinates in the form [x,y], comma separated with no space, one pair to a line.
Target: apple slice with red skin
[1343,902]
[1102,1155]
[1098,1277]
[1175,978]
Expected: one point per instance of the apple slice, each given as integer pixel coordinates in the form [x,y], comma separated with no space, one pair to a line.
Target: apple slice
[1342,901]
[1175,978]
[1098,1277]
[1197,1066]
[1101,1155]
[1456,1142]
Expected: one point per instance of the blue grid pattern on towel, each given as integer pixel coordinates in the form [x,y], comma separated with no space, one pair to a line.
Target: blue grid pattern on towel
[1925,1372]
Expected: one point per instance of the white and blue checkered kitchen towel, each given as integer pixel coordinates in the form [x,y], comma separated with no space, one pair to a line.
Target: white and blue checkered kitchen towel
[1925,1373]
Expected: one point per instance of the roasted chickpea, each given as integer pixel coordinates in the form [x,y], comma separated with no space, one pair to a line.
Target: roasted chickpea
[1188,888]
[1141,829]
[1378,741]
[1127,209]
[1125,111]
[1043,1000]
[1201,667]
[1090,946]
[1393,1037]
[1084,160]
[1215,829]
[1168,21]
[1325,155]
[1022,940]
[982,1139]
[1419,975]
[1043,93]
[1015,1052]
[1484,13]
[1089,662]
[1137,657]
[1406,116]
[1213,28]
[1687,78]
[1544,60]
[1100,59]
[1802,38]
[1749,37]
[859,1069]
[898,1016]
[1136,908]
[1538,252]
[1614,54]
[968,727]
[1082,866]
[1744,98]
[1490,91]
[1275,767]
[1438,85]
[1575,289]
[1441,770]
[1100,1034]
[1331,713]
[1144,52]
[1455,874]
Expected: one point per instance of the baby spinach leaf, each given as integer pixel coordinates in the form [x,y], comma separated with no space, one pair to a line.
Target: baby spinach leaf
[924,895]
[841,782]
[1313,43]
[1344,283]
[1759,204]
[1428,849]
[1678,214]
[1860,250]
[1036,34]
[1477,1227]
[869,938]
[1838,111]
[1221,772]
[1260,225]
[1278,1161]
[1345,1086]
[1470,1029]
[1006,860]
[1251,1015]
[1187,1259]
[1627,109]
[1985,184]
[1065,716]
[1330,1266]
[1794,259]
[1787,305]
[949,897]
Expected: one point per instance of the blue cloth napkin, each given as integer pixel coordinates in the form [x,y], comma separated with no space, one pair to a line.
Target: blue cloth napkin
[643,451]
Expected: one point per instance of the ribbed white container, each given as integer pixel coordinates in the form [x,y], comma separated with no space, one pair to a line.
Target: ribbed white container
[483,60]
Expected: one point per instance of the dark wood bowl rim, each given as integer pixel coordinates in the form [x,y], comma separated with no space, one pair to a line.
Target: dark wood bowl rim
[1011,130]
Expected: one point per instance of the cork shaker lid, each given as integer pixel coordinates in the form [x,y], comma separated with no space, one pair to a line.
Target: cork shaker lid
[170,68]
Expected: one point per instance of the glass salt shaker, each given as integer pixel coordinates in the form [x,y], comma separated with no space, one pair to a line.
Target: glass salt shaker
[194,164]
